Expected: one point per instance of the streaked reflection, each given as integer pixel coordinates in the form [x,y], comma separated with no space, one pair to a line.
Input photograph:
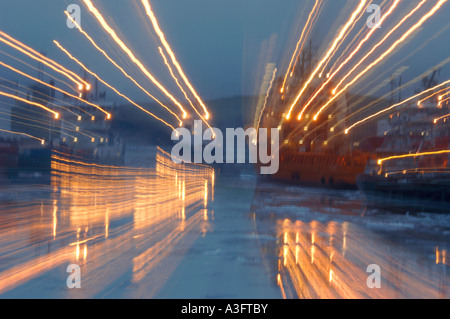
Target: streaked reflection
[108,220]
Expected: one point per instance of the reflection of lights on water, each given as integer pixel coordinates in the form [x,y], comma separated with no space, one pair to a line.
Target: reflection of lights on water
[169,198]
[321,264]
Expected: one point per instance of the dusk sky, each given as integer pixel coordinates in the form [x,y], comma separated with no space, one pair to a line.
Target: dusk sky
[222,45]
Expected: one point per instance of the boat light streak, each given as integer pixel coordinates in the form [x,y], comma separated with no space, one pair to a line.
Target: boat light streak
[131,55]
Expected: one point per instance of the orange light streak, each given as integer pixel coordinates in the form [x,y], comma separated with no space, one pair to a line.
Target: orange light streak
[382,56]
[30,102]
[166,45]
[442,101]
[267,97]
[351,55]
[181,88]
[34,68]
[118,67]
[304,41]
[300,41]
[43,59]
[108,85]
[431,95]
[130,54]
[24,134]
[380,43]
[341,34]
[393,106]
[54,87]
[341,42]
[381,161]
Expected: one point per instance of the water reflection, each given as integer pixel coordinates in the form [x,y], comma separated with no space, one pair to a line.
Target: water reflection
[321,253]
[106,219]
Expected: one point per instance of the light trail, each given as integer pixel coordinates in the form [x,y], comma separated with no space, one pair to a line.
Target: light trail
[394,106]
[408,84]
[45,124]
[421,171]
[267,97]
[300,41]
[54,130]
[24,134]
[130,54]
[386,96]
[441,118]
[380,43]
[108,115]
[431,95]
[35,68]
[382,56]
[43,59]
[351,55]
[110,86]
[341,34]
[119,67]
[37,126]
[56,105]
[442,101]
[443,95]
[166,45]
[382,160]
[179,85]
[30,102]
[356,39]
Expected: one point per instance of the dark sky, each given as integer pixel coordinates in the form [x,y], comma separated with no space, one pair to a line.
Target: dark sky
[223,45]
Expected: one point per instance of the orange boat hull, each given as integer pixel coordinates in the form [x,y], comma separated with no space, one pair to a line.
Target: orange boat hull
[321,169]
